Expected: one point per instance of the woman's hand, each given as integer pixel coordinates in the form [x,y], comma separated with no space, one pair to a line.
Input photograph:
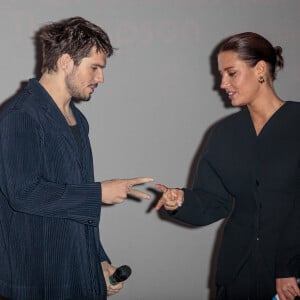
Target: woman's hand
[171,199]
[287,288]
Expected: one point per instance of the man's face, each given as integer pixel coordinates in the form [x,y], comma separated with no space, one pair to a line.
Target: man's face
[84,78]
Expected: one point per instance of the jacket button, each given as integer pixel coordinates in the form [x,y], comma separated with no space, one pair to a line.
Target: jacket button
[90,222]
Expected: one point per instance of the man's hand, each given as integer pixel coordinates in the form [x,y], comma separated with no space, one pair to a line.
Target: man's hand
[116,190]
[108,270]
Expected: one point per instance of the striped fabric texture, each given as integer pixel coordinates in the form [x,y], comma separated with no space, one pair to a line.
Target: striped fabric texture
[49,204]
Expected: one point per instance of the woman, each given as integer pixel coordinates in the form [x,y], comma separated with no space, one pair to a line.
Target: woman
[252,161]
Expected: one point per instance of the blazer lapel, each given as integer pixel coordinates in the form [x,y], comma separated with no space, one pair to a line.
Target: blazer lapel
[55,118]
[57,121]
[87,164]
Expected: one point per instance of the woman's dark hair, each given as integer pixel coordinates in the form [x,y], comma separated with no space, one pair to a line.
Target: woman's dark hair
[75,36]
[252,47]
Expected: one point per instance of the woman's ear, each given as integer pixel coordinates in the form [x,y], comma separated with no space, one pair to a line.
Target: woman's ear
[261,69]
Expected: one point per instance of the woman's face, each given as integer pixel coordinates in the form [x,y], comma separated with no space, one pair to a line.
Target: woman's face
[239,80]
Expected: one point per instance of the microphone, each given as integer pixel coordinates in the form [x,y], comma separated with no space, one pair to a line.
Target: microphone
[121,274]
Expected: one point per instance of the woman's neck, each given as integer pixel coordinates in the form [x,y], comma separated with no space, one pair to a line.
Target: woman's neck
[263,109]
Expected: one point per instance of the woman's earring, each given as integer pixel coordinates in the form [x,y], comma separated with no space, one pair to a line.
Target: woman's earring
[261,80]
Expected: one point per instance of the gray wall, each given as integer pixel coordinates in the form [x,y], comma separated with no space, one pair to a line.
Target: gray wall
[151,115]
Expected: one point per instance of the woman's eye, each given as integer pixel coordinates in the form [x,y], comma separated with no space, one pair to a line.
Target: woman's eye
[231,74]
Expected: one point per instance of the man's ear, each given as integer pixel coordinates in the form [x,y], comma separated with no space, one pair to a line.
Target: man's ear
[65,62]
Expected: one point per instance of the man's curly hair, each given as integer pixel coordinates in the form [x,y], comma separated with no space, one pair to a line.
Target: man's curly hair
[75,36]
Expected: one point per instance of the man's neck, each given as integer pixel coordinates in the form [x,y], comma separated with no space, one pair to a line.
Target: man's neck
[55,87]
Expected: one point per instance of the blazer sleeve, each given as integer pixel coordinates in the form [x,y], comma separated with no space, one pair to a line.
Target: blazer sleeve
[22,176]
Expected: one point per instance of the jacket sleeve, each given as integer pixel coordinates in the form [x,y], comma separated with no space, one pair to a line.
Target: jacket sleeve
[208,201]
[22,176]
[288,254]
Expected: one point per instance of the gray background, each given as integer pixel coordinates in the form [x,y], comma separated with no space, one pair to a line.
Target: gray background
[151,115]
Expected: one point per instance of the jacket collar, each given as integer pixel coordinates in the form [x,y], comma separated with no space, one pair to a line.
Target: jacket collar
[53,114]
[46,102]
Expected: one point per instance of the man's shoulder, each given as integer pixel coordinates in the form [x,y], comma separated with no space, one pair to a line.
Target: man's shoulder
[26,97]
[26,102]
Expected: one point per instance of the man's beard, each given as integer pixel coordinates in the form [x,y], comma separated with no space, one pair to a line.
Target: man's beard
[73,88]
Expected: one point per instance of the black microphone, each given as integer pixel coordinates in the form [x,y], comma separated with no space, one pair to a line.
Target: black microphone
[121,274]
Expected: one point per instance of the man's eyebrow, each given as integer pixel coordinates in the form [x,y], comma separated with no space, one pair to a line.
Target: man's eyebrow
[99,65]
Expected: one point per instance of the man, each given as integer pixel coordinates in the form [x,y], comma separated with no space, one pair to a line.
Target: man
[49,202]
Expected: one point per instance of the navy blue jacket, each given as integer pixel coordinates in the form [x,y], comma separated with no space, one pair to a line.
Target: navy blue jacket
[49,204]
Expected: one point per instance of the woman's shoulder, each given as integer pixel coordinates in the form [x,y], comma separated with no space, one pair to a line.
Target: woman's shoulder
[233,120]
[229,125]
[292,109]
[293,104]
